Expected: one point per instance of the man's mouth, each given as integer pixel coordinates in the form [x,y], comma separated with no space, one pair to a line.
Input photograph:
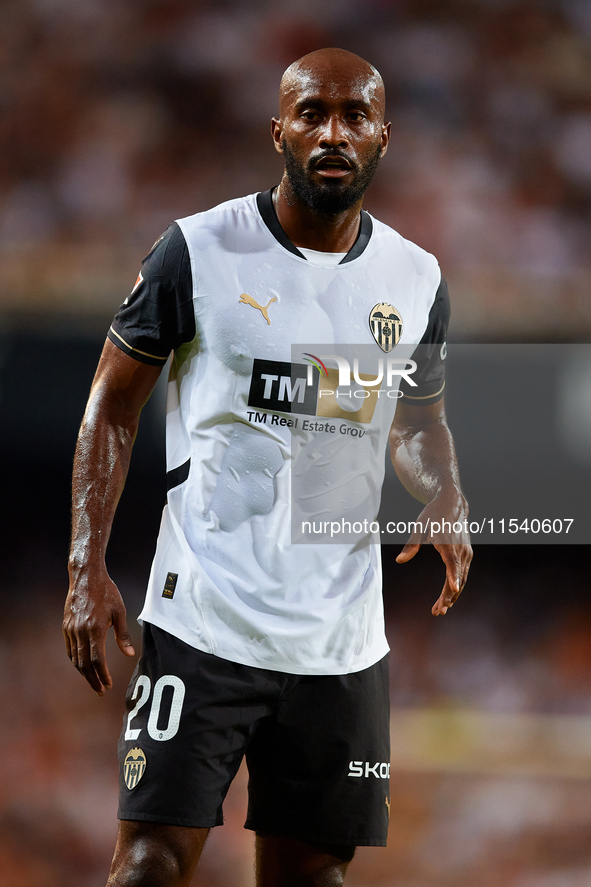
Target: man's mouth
[333,166]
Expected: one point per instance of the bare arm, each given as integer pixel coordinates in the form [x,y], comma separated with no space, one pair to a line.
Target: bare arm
[120,389]
[424,459]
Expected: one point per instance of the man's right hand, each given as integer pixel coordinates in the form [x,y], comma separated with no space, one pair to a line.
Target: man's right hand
[94,604]
[120,389]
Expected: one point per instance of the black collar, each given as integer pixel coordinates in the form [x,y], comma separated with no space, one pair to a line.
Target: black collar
[267,211]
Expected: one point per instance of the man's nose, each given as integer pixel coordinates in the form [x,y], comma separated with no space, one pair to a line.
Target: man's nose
[334,133]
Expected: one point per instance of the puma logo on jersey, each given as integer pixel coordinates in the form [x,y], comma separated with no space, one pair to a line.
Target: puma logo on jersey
[248,300]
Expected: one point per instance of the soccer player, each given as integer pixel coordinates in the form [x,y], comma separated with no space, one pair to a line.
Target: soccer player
[253,645]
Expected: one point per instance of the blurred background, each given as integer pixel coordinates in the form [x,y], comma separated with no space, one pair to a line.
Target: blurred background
[116,119]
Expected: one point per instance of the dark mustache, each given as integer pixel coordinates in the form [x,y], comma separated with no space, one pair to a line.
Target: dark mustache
[322,155]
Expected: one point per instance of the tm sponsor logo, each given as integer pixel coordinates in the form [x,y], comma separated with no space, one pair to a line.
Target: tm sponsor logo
[314,389]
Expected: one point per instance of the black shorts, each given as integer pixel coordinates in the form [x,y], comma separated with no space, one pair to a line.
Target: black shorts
[317,746]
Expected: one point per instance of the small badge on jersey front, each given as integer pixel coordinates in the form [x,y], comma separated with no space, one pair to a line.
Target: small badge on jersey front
[385,324]
[170,585]
[133,767]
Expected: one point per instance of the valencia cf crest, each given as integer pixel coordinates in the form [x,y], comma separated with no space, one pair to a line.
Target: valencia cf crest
[385,324]
[133,767]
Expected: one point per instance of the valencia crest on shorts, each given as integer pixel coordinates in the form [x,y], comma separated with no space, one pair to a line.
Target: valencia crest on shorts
[385,324]
[133,767]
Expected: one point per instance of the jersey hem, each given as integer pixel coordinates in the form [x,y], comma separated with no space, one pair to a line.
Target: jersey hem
[269,665]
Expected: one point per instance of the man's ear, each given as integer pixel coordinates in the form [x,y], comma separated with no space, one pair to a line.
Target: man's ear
[386,133]
[277,134]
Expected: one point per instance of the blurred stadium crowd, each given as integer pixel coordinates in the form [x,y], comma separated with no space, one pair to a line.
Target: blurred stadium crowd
[117,118]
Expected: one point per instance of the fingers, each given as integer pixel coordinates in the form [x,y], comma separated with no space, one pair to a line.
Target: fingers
[408,552]
[67,642]
[90,610]
[86,650]
[90,662]
[86,658]
[457,560]
[98,665]
[446,599]
[122,635]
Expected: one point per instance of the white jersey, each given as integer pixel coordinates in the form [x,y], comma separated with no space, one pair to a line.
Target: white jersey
[259,440]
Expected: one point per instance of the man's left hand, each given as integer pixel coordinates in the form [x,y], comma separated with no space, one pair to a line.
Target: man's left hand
[454,547]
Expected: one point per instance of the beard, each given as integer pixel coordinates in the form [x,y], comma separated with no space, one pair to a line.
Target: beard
[329,197]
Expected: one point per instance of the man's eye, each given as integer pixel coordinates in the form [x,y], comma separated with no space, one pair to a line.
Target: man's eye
[310,115]
[356,116]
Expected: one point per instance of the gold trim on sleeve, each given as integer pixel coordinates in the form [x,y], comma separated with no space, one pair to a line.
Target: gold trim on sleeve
[137,350]
[424,396]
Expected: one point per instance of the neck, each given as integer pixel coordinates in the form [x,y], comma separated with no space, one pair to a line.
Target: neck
[306,227]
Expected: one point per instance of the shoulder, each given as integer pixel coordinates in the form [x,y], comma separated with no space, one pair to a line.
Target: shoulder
[424,263]
[167,255]
[229,214]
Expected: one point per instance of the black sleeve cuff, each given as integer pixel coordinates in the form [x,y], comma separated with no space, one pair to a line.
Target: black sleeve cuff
[122,341]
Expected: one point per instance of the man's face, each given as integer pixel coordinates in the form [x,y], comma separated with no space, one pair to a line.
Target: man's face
[331,134]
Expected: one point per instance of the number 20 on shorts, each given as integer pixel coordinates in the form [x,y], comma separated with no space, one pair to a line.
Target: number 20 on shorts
[141,693]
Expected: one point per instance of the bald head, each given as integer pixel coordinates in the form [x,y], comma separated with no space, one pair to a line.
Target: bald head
[330,131]
[334,69]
